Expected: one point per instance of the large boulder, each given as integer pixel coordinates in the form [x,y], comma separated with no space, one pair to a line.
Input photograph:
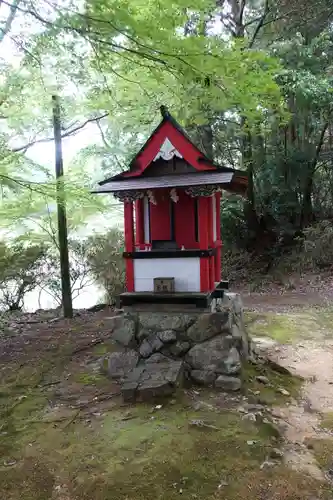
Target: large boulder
[203,377]
[121,363]
[228,383]
[124,328]
[157,357]
[151,380]
[208,325]
[233,302]
[178,349]
[158,321]
[167,336]
[218,355]
[241,337]
[150,345]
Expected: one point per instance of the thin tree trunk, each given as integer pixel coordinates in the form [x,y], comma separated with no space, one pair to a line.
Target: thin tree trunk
[62,218]
[248,163]
[307,215]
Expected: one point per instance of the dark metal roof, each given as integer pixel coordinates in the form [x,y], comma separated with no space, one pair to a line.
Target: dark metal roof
[168,181]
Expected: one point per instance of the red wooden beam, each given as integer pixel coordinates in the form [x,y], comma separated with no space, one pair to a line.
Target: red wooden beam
[211,244]
[203,242]
[218,243]
[129,244]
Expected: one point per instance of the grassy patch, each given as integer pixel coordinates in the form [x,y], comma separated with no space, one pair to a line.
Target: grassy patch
[133,453]
[87,378]
[105,348]
[28,481]
[136,454]
[322,450]
[327,421]
[270,394]
[289,327]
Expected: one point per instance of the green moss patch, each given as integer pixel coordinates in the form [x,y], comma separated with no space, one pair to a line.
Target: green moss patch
[119,452]
[327,421]
[290,327]
[135,453]
[26,481]
[90,378]
[270,394]
[322,450]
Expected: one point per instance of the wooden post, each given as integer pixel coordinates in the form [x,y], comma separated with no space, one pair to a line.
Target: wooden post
[211,244]
[139,224]
[62,218]
[203,242]
[218,256]
[129,244]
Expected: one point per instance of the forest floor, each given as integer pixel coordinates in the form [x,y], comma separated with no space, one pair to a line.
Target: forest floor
[65,433]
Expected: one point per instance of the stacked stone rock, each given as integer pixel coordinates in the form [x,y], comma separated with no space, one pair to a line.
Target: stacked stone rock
[159,350]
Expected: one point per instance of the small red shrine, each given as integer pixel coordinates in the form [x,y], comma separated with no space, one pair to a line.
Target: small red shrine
[171,194]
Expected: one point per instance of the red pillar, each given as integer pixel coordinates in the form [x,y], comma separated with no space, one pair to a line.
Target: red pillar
[139,224]
[203,242]
[211,244]
[129,244]
[218,239]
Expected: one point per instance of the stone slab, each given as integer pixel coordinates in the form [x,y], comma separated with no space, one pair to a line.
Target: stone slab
[228,383]
[124,328]
[203,377]
[208,325]
[166,321]
[218,355]
[151,380]
[120,363]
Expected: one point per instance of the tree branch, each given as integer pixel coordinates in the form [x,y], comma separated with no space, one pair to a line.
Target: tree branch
[9,21]
[259,25]
[319,146]
[68,132]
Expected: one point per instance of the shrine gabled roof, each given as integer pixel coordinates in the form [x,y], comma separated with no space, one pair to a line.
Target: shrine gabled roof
[226,180]
[168,141]
[168,181]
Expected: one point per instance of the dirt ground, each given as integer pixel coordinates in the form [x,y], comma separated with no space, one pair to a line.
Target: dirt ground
[66,435]
[304,323]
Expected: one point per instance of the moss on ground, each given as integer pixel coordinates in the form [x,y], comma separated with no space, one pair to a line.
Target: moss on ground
[292,326]
[322,450]
[105,348]
[120,452]
[134,453]
[140,455]
[270,394]
[327,421]
[88,378]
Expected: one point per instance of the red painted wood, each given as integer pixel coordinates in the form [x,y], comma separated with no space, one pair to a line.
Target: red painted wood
[160,228]
[129,244]
[218,243]
[210,222]
[210,243]
[203,243]
[204,274]
[184,221]
[129,275]
[189,152]
[139,223]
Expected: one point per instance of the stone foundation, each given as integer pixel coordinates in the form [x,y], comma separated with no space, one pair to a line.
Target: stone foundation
[160,350]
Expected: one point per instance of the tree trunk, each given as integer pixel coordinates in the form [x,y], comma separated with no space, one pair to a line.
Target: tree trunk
[307,215]
[250,213]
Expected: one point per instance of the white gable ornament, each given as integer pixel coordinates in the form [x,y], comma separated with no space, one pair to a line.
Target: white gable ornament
[167,151]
